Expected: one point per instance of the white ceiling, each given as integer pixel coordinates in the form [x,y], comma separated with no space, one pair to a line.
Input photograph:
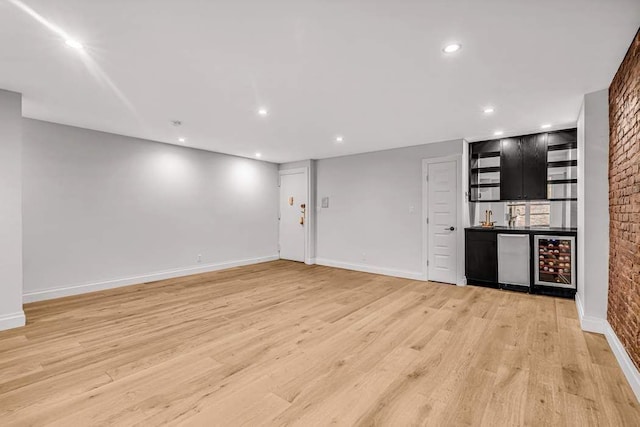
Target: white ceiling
[370,70]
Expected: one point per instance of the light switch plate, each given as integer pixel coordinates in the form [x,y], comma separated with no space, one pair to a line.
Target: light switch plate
[325,202]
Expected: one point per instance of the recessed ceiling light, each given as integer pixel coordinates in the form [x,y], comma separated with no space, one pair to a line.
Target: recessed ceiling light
[488,110]
[545,126]
[339,138]
[263,112]
[182,139]
[498,133]
[258,155]
[74,44]
[453,47]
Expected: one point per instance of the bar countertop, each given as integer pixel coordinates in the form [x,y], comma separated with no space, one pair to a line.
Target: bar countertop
[530,230]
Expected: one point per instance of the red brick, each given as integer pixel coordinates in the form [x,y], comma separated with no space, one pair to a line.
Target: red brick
[624,202]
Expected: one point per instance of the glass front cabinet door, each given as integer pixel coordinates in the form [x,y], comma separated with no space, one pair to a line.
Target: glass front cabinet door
[556,261]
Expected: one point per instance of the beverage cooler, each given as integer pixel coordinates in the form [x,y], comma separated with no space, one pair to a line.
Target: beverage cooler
[556,261]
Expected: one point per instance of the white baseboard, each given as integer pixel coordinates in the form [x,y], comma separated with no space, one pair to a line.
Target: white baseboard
[45,294]
[628,368]
[370,269]
[12,320]
[589,323]
[601,326]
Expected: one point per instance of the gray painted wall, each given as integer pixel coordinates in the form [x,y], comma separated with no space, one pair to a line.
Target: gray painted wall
[100,208]
[11,314]
[593,208]
[375,207]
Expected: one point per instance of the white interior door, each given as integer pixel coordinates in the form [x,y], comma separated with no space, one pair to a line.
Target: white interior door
[442,221]
[293,206]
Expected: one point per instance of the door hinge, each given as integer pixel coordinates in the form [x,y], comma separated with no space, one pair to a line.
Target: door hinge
[427,263]
[427,220]
[427,177]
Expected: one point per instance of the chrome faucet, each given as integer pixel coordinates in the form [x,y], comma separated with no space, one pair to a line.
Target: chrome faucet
[511,217]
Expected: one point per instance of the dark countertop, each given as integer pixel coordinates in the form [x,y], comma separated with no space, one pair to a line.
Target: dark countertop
[533,230]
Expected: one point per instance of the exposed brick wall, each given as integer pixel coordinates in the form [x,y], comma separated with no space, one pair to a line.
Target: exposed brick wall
[624,202]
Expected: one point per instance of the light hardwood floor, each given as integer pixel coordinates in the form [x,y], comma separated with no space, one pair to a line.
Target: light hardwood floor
[284,343]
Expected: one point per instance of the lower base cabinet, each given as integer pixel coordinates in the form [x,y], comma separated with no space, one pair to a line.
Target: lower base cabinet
[481,258]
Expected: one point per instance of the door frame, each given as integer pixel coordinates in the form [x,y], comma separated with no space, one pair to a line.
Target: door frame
[459,223]
[308,213]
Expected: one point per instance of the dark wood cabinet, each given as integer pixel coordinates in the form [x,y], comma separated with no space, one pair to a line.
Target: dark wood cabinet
[523,168]
[534,166]
[481,257]
[511,169]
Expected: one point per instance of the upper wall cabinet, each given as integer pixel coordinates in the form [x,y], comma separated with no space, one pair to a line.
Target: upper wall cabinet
[534,166]
[511,169]
[524,168]
[517,168]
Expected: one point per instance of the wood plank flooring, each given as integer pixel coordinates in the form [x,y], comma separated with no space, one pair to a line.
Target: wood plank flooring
[283,343]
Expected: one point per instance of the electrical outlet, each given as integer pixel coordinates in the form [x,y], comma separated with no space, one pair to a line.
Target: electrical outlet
[364,256]
[199,257]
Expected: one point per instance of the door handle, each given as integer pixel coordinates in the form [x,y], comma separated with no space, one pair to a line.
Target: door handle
[303,211]
[450,229]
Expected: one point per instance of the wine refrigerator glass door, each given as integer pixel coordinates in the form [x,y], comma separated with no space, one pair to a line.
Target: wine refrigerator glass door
[555,264]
